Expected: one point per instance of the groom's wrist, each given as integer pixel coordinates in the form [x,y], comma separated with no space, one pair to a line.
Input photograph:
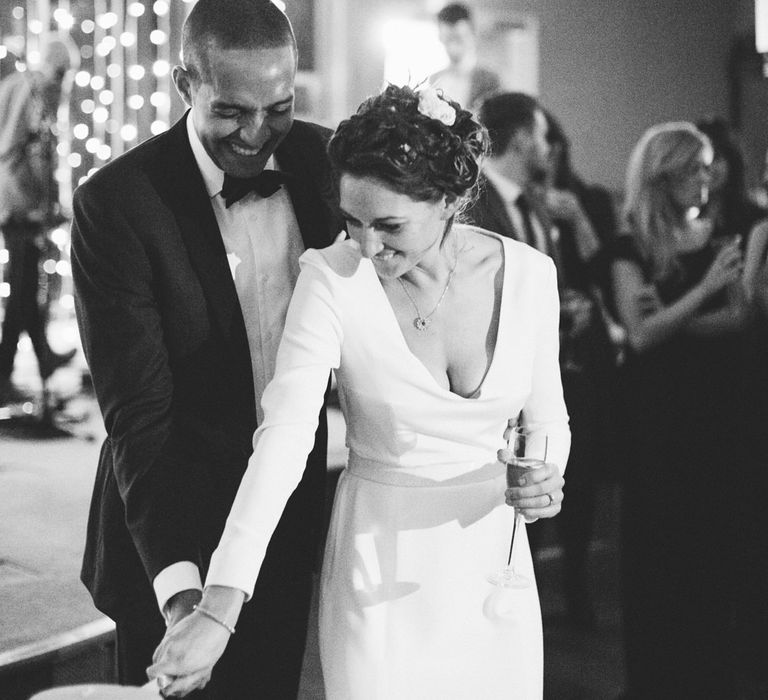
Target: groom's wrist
[180,605]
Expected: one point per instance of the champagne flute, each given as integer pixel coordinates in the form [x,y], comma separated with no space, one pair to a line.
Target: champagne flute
[529,451]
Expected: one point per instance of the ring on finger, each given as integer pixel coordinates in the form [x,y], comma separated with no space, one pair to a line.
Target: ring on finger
[551,499]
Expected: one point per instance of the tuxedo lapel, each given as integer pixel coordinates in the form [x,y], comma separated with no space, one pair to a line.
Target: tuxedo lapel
[178,179]
[302,155]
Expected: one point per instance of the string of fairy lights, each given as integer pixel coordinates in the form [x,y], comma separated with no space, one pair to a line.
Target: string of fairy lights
[120,94]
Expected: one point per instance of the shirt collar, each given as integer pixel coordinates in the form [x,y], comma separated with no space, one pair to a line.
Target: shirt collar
[508,189]
[213,176]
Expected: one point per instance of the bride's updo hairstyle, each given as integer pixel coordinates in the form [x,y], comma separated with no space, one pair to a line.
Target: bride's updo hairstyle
[414,141]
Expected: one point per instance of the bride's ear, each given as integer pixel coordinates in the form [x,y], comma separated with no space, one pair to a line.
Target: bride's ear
[450,207]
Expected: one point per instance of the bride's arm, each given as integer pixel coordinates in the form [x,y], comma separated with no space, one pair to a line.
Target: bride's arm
[545,409]
[310,347]
[544,412]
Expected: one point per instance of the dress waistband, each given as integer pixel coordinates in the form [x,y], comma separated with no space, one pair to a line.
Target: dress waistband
[463,473]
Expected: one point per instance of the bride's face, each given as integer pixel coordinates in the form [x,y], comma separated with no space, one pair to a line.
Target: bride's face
[393,230]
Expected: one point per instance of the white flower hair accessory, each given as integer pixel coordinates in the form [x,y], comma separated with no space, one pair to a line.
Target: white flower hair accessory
[433,106]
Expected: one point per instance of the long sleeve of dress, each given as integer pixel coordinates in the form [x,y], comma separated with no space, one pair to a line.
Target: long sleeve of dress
[310,348]
[545,409]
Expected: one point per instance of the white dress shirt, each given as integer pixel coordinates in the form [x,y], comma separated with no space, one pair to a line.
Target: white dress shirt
[263,244]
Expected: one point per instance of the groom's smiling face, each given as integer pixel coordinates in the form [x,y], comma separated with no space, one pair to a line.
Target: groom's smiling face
[242,105]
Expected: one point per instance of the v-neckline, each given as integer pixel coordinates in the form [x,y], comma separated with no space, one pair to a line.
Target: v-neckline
[478,392]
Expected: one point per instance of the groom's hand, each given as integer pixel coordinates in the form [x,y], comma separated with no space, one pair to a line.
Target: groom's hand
[180,605]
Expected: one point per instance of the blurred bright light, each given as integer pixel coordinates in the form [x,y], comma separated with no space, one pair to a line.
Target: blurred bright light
[3,51]
[35,26]
[136,72]
[104,152]
[67,301]
[5,288]
[60,237]
[412,51]
[87,26]
[761,26]
[158,127]
[18,12]
[136,9]
[63,18]
[127,39]
[97,82]
[64,268]
[107,20]
[92,144]
[128,132]
[135,102]
[4,256]
[158,37]
[159,99]
[106,97]
[82,78]
[87,106]
[74,160]
[106,45]
[49,266]
[80,131]
[100,115]
[160,8]
[61,149]
[161,68]
[114,70]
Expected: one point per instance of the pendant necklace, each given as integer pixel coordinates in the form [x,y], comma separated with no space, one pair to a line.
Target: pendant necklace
[421,323]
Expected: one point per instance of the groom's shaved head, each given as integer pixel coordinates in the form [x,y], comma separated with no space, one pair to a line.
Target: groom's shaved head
[231,24]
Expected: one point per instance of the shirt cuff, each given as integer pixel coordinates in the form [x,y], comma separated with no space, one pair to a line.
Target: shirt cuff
[173,579]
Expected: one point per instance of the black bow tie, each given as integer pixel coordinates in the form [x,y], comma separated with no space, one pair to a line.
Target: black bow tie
[265,184]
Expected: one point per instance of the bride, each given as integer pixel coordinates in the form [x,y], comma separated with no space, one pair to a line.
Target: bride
[439,334]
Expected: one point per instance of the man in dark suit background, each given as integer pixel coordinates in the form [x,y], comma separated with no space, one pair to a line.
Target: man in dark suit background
[507,203]
[183,270]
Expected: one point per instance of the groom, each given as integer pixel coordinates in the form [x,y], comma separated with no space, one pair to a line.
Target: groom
[184,260]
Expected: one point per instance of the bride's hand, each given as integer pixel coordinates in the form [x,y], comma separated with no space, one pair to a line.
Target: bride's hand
[184,660]
[541,496]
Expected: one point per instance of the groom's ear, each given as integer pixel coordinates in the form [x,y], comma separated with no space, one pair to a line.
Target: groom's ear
[183,82]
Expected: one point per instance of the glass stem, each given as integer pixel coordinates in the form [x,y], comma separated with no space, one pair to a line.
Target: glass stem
[512,540]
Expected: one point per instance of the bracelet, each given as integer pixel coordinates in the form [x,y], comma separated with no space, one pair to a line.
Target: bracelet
[213,617]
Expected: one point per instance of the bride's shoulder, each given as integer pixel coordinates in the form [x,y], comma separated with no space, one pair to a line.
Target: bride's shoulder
[516,256]
[340,259]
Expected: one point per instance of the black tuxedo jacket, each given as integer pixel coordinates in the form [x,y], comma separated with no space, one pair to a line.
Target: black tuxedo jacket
[165,340]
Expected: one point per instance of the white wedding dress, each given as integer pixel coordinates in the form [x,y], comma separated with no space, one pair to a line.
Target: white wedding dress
[419,520]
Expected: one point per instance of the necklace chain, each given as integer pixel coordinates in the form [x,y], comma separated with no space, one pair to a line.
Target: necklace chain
[421,323]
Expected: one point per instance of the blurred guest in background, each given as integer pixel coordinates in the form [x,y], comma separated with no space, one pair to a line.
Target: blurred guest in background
[508,203]
[679,296]
[584,219]
[463,80]
[29,202]
[730,209]
[184,254]
[733,213]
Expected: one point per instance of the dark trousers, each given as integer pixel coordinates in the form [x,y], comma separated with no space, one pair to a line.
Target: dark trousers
[255,664]
[22,310]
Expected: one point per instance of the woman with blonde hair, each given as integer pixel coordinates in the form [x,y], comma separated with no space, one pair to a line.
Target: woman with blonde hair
[677,292]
